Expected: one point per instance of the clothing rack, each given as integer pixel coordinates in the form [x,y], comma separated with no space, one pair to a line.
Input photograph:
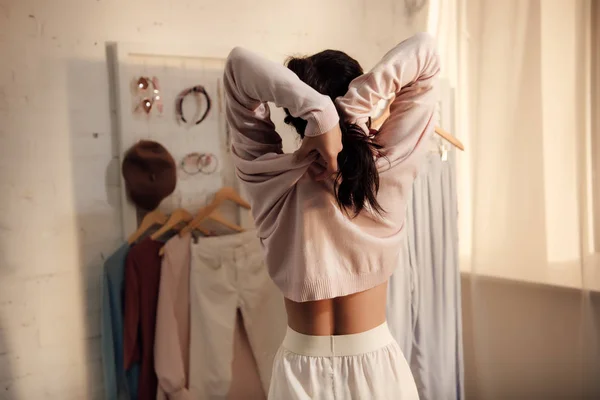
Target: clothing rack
[146,345]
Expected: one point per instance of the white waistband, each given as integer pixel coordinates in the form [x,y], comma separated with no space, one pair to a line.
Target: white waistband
[338,345]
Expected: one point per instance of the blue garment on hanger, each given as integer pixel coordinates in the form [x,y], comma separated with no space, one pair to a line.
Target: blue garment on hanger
[424,294]
[118,383]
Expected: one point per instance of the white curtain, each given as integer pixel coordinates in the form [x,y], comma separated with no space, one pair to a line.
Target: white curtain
[526,112]
[523,70]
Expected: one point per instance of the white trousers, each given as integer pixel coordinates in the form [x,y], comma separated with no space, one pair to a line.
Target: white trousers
[363,366]
[228,273]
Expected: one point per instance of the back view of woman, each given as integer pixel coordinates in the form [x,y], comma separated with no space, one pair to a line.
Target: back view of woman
[330,217]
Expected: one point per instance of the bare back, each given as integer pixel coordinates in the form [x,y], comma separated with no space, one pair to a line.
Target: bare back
[346,315]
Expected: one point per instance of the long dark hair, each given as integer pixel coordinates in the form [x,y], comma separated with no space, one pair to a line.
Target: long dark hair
[357,183]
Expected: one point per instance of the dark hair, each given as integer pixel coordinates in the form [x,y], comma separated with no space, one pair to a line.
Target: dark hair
[357,183]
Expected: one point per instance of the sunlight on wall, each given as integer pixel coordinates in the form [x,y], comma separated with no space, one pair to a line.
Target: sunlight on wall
[560,67]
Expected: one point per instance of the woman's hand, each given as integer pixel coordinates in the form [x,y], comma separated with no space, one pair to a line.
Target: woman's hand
[328,145]
[378,121]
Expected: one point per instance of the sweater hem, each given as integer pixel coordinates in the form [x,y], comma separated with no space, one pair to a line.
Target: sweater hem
[335,286]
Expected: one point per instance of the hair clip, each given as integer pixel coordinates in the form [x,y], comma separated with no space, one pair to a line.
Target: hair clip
[194,163]
[145,84]
[198,90]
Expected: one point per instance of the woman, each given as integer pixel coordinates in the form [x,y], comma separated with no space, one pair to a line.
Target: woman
[330,217]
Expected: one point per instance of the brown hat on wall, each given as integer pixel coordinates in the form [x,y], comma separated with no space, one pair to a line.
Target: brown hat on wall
[150,174]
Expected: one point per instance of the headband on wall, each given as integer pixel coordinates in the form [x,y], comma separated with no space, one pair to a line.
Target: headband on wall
[198,91]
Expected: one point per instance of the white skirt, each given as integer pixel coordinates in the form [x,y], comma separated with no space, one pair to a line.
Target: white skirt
[363,366]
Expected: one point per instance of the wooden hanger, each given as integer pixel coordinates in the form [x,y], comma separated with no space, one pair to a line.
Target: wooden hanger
[229,193]
[177,217]
[224,194]
[448,136]
[155,217]
[376,123]
[218,217]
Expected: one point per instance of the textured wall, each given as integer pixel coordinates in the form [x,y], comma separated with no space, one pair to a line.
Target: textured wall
[59,202]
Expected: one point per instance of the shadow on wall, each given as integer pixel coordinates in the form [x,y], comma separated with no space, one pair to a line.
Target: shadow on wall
[7,277]
[6,372]
[412,8]
[95,172]
[591,337]
[525,341]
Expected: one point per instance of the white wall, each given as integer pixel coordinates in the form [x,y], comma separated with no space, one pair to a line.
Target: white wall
[524,341]
[59,209]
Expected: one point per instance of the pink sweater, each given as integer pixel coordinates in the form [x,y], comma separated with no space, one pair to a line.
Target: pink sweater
[313,249]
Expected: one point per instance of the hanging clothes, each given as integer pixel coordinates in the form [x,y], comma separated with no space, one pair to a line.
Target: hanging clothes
[142,279]
[118,383]
[172,339]
[245,380]
[401,309]
[229,273]
[424,296]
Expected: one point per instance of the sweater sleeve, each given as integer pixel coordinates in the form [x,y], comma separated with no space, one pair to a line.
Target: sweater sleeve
[409,73]
[250,82]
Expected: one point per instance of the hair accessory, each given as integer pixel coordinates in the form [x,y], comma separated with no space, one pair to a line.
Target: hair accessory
[194,163]
[145,84]
[208,163]
[198,91]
